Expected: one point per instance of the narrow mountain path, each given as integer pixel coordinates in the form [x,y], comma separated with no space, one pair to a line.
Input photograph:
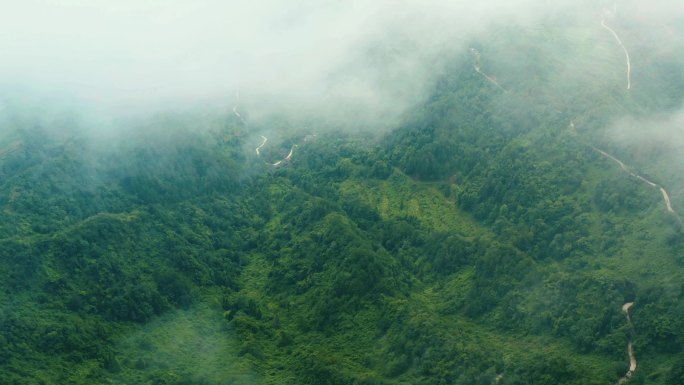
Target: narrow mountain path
[630,349]
[666,196]
[476,55]
[285,160]
[289,156]
[629,65]
[265,139]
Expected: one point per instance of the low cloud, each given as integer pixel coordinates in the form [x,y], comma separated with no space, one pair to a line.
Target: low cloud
[373,57]
[364,61]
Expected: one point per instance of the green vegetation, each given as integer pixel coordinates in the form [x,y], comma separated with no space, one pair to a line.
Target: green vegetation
[478,243]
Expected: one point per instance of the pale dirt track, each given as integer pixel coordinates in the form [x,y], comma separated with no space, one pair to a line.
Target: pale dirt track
[265,139]
[476,55]
[490,79]
[666,196]
[629,64]
[630,349]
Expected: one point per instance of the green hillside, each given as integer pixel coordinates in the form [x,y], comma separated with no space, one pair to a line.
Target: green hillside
[484,240]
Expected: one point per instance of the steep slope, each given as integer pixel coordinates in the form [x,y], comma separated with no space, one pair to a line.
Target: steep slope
[482,241]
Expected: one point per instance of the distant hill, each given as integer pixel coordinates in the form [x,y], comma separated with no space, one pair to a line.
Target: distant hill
[484,240]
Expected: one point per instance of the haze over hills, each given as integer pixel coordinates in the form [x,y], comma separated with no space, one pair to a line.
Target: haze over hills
[449,194]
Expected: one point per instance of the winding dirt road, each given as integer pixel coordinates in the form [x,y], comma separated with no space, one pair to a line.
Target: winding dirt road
[285,160]
[265,139]
[630,349]
[476,55]
[289,156]
[666,196]
[618,161]
[491,80]
[629,65]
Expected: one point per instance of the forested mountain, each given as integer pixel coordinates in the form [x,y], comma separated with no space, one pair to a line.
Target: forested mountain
[491,237]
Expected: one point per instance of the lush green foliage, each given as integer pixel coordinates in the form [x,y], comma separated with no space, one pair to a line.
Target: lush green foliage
[478,243]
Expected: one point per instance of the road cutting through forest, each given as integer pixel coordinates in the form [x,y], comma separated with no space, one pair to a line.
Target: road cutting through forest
[491,80]
[265,139]
[476,55]
[629,65]
[285,160]
[281,162]
[666,196]
[289,156]
[630,349]
[628,305]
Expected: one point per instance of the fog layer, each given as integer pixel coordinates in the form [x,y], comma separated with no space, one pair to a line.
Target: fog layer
[374,56]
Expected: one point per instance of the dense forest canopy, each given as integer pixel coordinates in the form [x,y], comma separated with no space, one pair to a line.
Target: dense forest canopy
[515,220]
